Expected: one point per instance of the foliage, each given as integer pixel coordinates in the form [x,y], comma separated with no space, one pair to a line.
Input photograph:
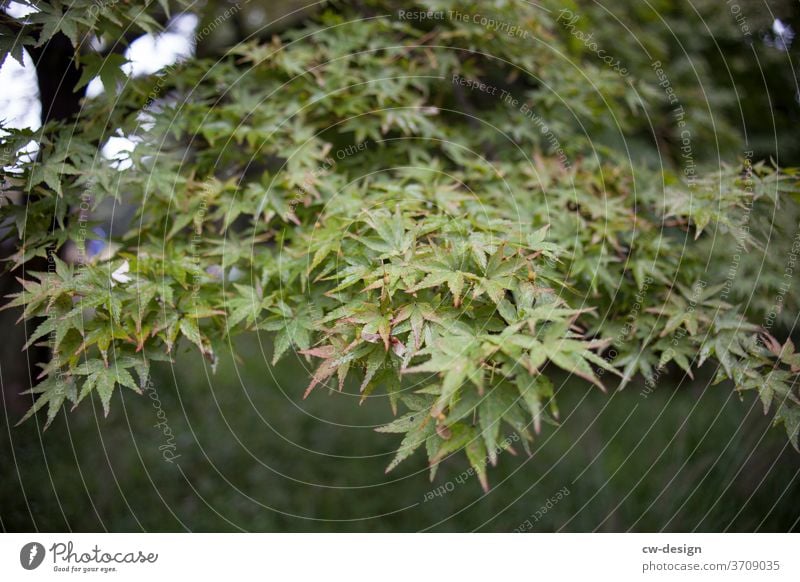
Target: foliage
[340,188]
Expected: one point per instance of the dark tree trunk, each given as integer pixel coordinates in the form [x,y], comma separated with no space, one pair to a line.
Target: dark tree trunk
[57,77]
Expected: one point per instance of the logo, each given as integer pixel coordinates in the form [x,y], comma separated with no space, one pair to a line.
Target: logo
[31,555]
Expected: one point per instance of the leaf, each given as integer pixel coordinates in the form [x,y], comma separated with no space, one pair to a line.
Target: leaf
[536,391]
[476,453]
[420,430]
[104,384]
[52,391]
[490,415]
[107,67]
[790,416]
[12,46]
[574,363]
[375,360]
[191,332]
[403,424]
[536,242]
[323,372]
[281,344]
[461,436]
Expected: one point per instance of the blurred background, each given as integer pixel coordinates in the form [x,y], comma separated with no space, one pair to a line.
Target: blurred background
[254,456]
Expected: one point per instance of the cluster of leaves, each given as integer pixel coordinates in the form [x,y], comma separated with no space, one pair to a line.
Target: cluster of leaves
[83,22]
[335,188]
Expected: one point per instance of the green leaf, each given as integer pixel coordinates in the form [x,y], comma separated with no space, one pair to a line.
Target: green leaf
[536,392]
[107,67]
[52,391]
[420,430]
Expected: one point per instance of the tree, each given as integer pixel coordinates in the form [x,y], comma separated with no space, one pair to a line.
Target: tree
[440,203]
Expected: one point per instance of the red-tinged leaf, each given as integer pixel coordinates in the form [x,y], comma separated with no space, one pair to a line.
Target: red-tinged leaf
[325,371]
[324,352]
[374,362]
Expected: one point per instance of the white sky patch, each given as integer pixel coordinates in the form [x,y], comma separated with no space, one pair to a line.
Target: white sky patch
[184,24]
[19,10]
[19,100]
[150,53]
[118,150]
[20,106]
